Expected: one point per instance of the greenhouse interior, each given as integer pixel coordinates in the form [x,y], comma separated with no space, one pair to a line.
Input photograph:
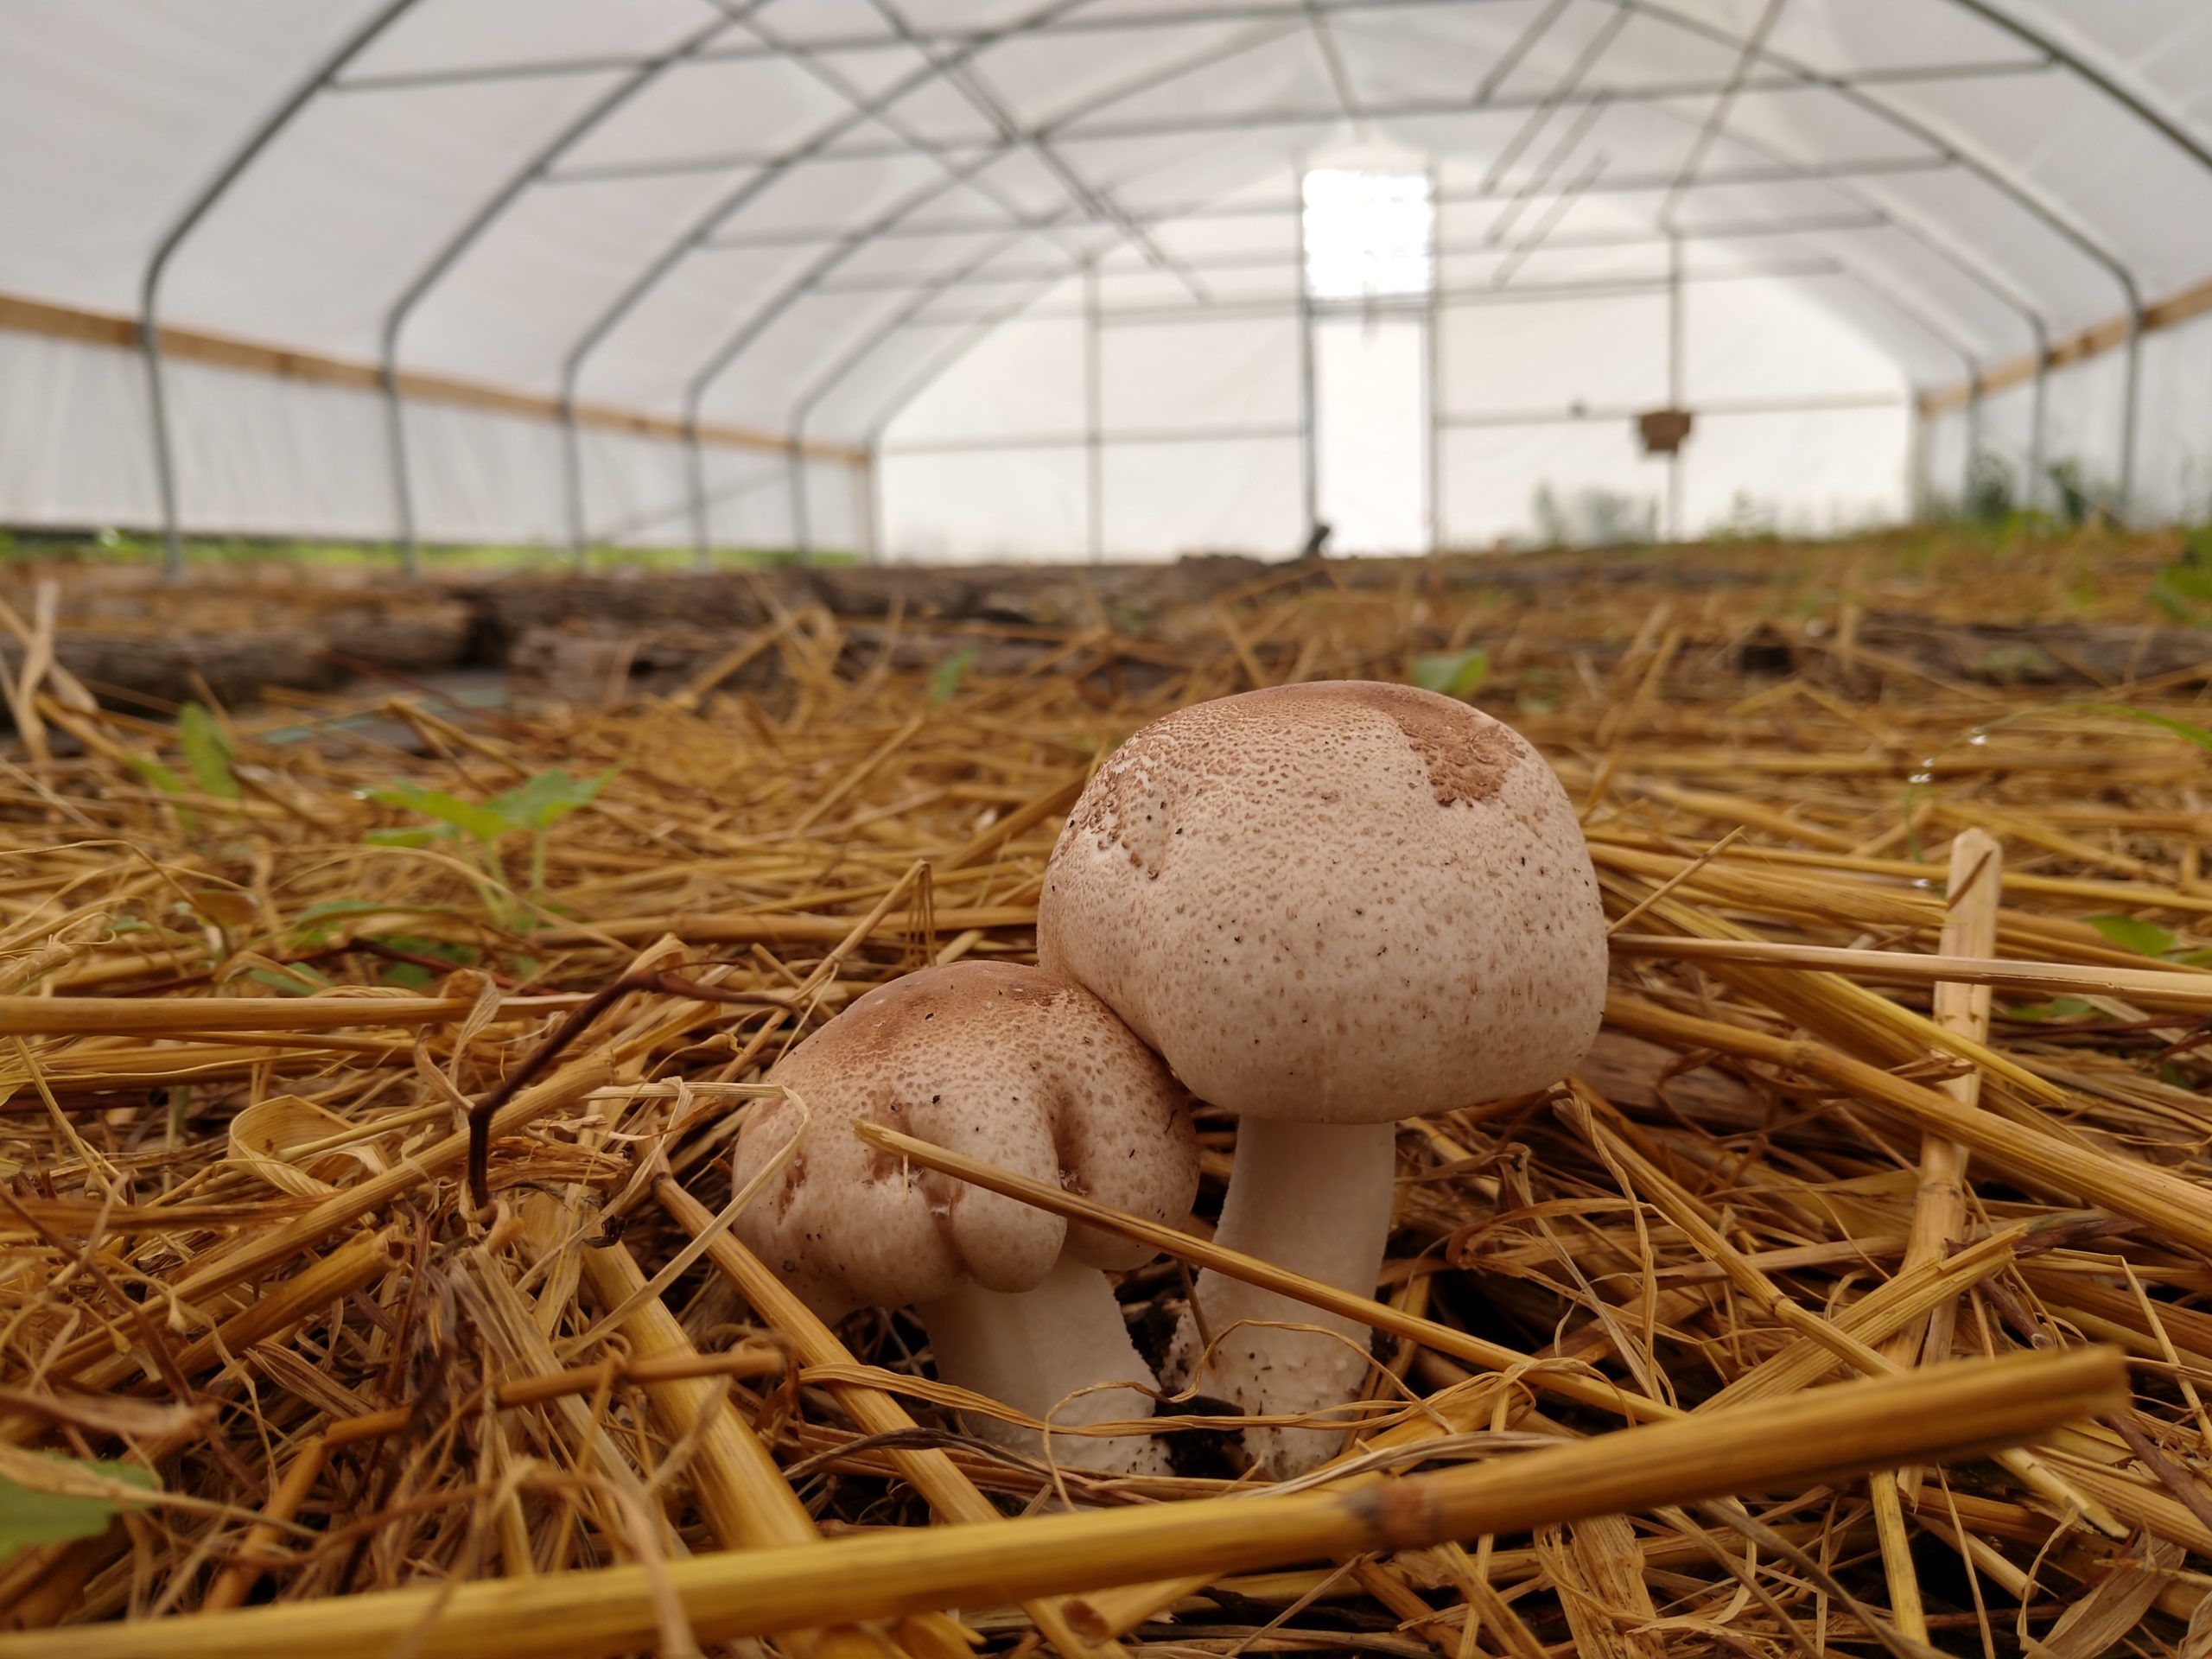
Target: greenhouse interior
[1127,829]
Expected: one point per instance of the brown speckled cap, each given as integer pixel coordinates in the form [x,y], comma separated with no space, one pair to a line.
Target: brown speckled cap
[1342,902]
[1008,1064]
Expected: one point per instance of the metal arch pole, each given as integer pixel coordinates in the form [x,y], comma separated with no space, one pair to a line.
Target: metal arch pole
[976,332]
[1093,421]
[1916,465]
[1309,446]
[149,285]
[572,472]
[403,492]
[1080,196]
[2182,138]
[802,529]
[872,507]
[702,510]
[1097,201]
[1971,418]
[1973,269]
[828,381]
[1432,366]
[733,202]
[396,317]
[1260,120]
[2038,403]
[2131,395]
[1676,391]
[1992,174]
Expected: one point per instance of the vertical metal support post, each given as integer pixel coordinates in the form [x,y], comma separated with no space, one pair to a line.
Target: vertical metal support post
[802,531]
[2130,396]
[1308,450]
[1916,456]
[149,285]
[1094,420]
[149,338]
[572,461]
[1676,389]
[2038,403]
[869,510]
[1431,389]
[1972,418]
[402,491]
[695,472]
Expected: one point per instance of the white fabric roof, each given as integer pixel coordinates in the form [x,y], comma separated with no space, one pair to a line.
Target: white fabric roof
[784,214]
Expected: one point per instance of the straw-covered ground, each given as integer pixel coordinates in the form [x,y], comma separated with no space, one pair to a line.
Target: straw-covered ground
[259,967]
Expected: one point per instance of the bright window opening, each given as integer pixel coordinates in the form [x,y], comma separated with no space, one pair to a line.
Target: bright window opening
[1370,235]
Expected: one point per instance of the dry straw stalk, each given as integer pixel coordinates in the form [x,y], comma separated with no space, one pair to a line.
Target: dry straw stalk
[1947,1411]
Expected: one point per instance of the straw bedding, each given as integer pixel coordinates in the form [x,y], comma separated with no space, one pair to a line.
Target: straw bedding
[256,971]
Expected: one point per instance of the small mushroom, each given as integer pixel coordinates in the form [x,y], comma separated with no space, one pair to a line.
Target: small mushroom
[1330,907]
[1021,1069]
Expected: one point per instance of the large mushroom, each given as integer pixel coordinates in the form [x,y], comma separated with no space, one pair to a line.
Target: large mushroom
[1329,906]
[1021,1069]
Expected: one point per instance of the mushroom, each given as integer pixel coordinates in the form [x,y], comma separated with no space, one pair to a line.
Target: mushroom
[1020,1068]
[1330,907]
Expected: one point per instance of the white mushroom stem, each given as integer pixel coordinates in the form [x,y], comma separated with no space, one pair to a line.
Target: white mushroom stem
[1315,1198]
[1035,1350]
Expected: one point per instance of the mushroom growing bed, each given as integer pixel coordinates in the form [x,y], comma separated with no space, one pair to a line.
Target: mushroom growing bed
[1900,1080]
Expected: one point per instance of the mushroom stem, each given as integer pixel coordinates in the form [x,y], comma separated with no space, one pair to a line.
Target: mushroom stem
[1315,1198]
[1034,1349]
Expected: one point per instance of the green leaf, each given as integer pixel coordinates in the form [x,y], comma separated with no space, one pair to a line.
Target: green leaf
[547,799]
[290,979]
[483,823]
[207,752]
[412,974]
[402,837]
[2145,938]
[2059,1007]
[2201,957]
[28,1516]
[944,683]
[452,950]
[1454,674]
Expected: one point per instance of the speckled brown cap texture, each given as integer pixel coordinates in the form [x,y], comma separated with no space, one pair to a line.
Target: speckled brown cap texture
[1008,1064]
[1344,902]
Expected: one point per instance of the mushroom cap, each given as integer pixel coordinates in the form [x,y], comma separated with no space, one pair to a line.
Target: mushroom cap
[1008,1064]
[1340,902]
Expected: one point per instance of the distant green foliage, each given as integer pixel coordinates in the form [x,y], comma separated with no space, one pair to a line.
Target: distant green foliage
[531,807]
[1454,674]
[2078,499]
[208,752]
[2183,590]
[1592,517]
[1989,489]
[944,679]
[29,1517]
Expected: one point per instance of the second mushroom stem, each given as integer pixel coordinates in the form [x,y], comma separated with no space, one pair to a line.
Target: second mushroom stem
[1314,1199]
[1037,1350]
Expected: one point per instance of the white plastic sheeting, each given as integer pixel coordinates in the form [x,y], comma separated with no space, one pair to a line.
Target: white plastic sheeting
[867,222]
